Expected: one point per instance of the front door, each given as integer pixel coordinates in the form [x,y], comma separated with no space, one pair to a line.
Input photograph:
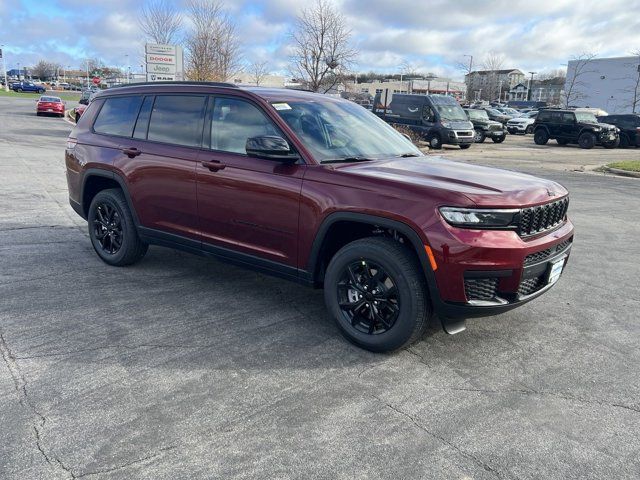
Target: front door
[246,204]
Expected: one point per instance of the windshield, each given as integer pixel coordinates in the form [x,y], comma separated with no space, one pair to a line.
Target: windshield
[586,117]
[451,113]
[478,115]
[337,130]
[497,113]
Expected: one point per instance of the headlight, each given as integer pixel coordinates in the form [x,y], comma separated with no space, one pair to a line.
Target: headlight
[446,124]
[479,217]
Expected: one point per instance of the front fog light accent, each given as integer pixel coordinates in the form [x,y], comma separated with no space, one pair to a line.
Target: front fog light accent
[479,217]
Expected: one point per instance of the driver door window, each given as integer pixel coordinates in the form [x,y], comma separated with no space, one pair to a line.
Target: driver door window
[234,121]
[428,115]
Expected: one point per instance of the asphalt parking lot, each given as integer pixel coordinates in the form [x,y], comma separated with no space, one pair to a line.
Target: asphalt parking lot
[183,367]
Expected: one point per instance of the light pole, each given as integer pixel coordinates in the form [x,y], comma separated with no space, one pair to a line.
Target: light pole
[4,68]
[530,85]
[87,74]
[128,69]
[19,72]
[64,73]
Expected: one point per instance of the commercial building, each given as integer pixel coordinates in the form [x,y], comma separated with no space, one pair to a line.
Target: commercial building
[612,84]
[437,85]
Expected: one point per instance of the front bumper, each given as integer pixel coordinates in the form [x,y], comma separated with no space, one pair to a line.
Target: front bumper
[516,128]
[483,272]
[495,133]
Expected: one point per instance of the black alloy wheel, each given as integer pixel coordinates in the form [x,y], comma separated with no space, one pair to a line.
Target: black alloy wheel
[368,297]
[112,229]
[107,228]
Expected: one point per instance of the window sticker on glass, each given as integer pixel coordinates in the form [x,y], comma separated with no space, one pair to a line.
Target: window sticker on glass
[281,106]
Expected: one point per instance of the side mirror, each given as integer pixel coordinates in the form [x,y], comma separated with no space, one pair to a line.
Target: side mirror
[83,101]
[270,147]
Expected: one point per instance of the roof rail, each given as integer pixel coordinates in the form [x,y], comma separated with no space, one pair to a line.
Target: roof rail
[184,82]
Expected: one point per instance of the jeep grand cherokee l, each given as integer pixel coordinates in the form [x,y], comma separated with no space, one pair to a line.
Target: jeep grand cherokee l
[317,190]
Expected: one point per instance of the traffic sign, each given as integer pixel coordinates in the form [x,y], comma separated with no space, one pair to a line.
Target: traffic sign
[96,80]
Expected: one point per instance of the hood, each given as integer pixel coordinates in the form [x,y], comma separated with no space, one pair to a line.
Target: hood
[483,186]
[607,126]
[458,124]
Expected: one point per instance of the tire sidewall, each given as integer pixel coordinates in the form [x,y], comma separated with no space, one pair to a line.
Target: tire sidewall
[404,326]
[584,143]
[529,130]
[106,197]
[438,142]
[540,137]
[479,136]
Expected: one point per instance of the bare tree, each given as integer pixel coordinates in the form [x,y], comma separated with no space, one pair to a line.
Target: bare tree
[44,70]
[493,63]
[574,85]
[321,47]
[160,21]
[553,74]
[258,71]
[632,91]
[213,47]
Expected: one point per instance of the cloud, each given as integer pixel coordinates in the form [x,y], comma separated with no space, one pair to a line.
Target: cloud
[433,36]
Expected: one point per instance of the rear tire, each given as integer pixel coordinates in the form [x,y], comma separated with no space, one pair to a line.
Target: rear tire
[367,271]
[112,230]
[587,140]
[464,146]
[541,137]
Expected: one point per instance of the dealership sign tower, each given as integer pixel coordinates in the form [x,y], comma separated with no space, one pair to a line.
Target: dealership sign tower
[164,62]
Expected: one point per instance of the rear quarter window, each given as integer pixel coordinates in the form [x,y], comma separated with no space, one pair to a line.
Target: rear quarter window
[118,116]
[544,116]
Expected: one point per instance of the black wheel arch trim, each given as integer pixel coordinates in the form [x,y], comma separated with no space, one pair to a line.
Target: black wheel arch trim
[313,266]
[97,172]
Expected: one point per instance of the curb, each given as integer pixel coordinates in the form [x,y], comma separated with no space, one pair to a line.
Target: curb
[624,173]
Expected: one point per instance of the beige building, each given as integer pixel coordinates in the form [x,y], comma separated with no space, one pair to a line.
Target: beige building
[437,85]
[492,84]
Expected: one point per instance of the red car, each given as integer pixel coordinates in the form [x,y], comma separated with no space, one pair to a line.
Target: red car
[317,190]
[50,106]
[79,110]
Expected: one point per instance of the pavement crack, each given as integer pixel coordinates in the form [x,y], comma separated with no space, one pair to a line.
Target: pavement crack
[548,393]
[441,439]
[115,468]
[39,420]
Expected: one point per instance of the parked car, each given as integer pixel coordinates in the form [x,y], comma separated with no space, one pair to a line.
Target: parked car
[50,106]
[79,110]
[27,86]
[317,190]
[629,126]
[573,126]
[509,111]
[484,127]
[497,115]
[438,119]
[522,124]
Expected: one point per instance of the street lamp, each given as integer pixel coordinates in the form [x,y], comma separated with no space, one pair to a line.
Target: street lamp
[530,85]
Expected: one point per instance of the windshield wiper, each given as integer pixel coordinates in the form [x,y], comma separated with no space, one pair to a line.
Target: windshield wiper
[407,155]
[348,160]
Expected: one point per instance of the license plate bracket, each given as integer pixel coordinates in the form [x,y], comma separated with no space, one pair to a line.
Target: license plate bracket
[555,270]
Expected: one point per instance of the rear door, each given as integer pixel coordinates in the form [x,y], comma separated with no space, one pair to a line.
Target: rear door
[160,164]
[246,204]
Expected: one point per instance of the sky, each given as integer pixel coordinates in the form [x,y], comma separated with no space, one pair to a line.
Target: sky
[429,35]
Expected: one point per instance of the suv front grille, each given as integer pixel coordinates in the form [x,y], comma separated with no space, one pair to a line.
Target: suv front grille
[544,254]
[495,128]
[480,288]
[538,219]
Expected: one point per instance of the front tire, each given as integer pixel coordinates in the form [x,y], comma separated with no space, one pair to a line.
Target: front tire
[529,130]
[587,140]
[479,136]
[541,137]
[498,139]
[464,146]
[614,144]
[112,231]
[375,289]
[435,142]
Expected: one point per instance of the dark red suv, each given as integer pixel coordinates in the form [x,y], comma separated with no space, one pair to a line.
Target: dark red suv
[317,190]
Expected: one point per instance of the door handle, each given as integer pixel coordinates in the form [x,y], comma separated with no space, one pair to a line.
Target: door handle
[131,152]
[213,165]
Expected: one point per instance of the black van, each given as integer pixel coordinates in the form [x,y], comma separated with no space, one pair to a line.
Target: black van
[438,119]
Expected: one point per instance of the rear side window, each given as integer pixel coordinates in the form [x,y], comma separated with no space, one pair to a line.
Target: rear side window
[118,116]
[143,119]
[177,119]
